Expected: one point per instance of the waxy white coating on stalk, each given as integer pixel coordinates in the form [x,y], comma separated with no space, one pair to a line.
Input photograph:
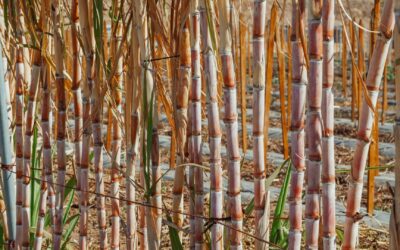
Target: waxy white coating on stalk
[214,129]
[8,210]
[297,126]
[261,215]
[230,119]
[98,165]
[156,199]
[132,145]
[374,76]
[59,46]
[328,143]
[31,109]
[314,125]
[19,124]
[42,212]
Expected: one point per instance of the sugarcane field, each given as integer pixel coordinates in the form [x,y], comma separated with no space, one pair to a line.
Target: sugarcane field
[200,124]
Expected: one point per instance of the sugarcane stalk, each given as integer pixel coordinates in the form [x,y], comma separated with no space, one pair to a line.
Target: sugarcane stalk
[328,141]
[109,135]
[47,123]
[97,118]
[154,220]
[195,106]
[191,183]
[7,75]
[141,24]
[191,177]
[156,195]
[297,126]
[42,212]
[61,121]
[314,125]
[152,215]
[40,70]
[88,43]
[364,132]
[19,125]
[46,184]
[116,142]
[261,217]
[344,65]
[26,50]
[8,93]
[30,120]
[353,72]
[76,90]
[214,129]
[133,97]
[7,165]
[384,94]
[288,44]
[143,228]
[181,102]
[230,119]
[243,78]
[361,67]
[394,225]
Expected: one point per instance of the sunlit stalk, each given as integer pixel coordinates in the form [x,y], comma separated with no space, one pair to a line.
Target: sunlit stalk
[181,110]
[373,81]
[328,143]
[214,129]
[344,64]
[261,217]
[132,147]
[152,216]
[116,140]
[97,118]
[230,119]
[297,126]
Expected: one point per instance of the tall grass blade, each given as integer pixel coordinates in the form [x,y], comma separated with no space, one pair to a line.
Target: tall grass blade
[69,191]
[277,224]
[71,222]
[176,243]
